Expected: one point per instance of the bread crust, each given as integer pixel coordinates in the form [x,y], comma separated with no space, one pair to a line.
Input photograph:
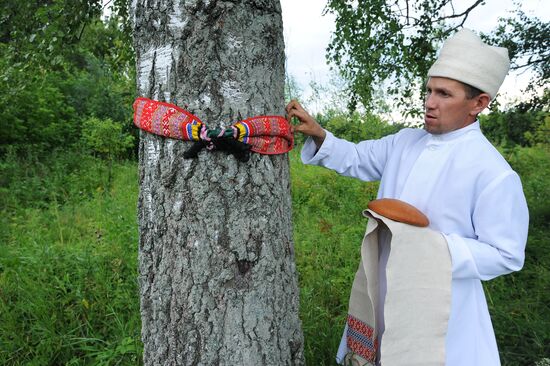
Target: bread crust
[400,211]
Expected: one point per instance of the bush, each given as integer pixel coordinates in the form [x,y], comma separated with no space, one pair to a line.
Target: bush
[106,138]
[34,110]
[358,127]
[512,127]
[532,166]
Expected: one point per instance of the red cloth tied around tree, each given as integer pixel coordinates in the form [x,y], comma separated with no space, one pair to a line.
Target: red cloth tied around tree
[262,134]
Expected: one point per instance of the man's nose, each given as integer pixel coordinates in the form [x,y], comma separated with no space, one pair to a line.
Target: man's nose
[429,101]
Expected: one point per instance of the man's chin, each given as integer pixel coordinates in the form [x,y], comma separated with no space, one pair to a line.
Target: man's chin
[430,128]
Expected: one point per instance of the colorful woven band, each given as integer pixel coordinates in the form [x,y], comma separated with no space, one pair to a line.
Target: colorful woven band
[360,339]
[264,134]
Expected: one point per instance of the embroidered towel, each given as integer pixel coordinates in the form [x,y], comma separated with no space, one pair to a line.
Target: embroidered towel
[417,301]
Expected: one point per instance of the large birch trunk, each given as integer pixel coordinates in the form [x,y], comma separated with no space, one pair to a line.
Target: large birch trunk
[216,261]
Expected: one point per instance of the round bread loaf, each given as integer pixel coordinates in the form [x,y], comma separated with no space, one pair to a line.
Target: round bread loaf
[399,211]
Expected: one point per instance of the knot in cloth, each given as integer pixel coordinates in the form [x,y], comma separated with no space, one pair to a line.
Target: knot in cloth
[261,134]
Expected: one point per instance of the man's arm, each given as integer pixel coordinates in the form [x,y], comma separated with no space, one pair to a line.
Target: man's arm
[365,160]
[501,221]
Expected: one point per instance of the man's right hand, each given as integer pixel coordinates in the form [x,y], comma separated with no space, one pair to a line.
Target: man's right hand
[307,124]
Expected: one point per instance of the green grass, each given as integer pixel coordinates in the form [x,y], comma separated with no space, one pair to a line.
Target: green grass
[68,279]
[328,230]
[68,264]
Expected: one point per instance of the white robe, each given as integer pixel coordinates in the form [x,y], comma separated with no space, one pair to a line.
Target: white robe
[469,193]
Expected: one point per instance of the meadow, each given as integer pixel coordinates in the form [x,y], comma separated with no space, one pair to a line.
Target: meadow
[68,261]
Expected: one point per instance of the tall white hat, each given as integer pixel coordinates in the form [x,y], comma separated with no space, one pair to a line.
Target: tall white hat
[464,57]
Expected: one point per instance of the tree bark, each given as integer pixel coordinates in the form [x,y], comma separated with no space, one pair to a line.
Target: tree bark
[216,260]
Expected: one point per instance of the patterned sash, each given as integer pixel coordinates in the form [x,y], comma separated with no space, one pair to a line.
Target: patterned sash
[262,134]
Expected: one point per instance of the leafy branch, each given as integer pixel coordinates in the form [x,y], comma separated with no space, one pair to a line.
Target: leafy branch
[391,44]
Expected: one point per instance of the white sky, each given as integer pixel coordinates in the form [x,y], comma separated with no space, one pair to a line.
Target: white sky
[307,34]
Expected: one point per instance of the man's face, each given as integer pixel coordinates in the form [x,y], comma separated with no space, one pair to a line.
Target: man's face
[446,106]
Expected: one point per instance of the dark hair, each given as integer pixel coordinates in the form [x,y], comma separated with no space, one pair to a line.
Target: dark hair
[471,91]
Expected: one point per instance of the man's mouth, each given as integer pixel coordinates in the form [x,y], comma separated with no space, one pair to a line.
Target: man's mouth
[429,117]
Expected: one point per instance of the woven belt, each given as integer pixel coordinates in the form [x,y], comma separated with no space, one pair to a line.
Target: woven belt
[262,134]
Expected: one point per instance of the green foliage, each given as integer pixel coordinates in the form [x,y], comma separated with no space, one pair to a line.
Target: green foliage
[33,110]
[328,227]
[519,303]
[377,41]
[526,39]
[44,33]
[532,166]
[102,82]
[514,127]
[34,178]
[392,44]
[541,136]
[68,289]
[358,127]
[105,137]
[56,81]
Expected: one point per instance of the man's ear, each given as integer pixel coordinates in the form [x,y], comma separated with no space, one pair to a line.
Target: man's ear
[480,103]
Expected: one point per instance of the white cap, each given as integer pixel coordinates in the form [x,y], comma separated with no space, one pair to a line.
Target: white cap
[464,57]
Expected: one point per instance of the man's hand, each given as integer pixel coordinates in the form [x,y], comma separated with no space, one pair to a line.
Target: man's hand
[307,124]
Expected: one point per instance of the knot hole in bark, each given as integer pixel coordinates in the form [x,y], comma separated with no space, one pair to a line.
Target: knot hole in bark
[244,266]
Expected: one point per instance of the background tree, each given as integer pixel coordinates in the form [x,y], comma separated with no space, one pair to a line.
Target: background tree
[526,39]
[62,63]
[216,261]
[392,44]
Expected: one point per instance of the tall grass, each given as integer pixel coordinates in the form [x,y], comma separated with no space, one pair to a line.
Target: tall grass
[68,264]
[68,279]
[328,230]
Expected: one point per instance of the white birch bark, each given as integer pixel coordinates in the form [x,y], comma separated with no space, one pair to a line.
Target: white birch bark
[216,260]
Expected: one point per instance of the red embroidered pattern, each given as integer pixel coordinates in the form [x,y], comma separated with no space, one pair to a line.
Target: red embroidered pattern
[360,339]
[265,134]
[165,119]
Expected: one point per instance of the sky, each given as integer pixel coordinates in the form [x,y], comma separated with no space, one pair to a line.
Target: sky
[307,34]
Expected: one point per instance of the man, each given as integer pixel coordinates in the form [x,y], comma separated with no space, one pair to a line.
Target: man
[453,174]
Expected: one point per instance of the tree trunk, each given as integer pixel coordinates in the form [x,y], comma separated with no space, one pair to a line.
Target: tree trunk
[216,260]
